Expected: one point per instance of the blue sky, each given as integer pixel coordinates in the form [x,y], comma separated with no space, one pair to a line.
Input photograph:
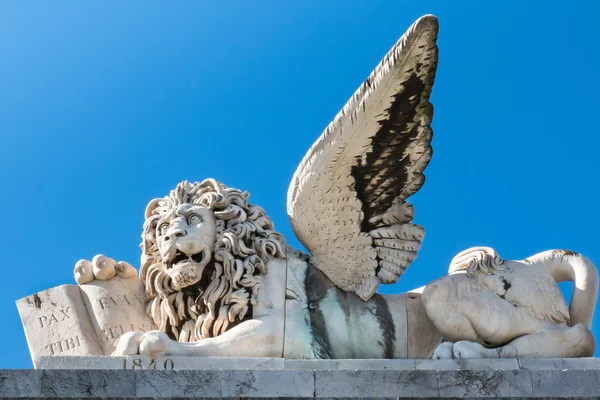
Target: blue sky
[105,106]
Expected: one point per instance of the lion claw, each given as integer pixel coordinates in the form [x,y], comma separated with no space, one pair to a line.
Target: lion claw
[83,272]
[102,268]
[125,270]
[444,351]
[128,344]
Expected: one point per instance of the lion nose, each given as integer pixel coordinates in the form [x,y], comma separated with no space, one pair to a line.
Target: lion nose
[175,233]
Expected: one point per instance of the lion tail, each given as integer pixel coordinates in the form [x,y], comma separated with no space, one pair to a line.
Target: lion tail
[565,265]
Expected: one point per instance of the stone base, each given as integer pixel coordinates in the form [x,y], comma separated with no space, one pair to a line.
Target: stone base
[180,377]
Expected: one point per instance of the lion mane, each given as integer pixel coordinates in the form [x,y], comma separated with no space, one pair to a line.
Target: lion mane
[477,259]
[245,243]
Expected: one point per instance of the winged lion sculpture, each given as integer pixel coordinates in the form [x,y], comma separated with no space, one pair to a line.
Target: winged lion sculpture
[220,281]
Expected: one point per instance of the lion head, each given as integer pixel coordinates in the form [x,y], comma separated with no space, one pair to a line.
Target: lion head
[204,252]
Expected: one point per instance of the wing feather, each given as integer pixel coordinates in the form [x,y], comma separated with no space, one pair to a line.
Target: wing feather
[347,199]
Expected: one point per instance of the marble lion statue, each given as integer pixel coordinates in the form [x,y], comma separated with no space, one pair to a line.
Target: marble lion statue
[220,281]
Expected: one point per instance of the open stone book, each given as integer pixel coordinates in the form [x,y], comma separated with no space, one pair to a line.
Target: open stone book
[83,320]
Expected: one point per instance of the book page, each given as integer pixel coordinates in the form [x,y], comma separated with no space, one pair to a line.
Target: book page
[56,322]
[116,306]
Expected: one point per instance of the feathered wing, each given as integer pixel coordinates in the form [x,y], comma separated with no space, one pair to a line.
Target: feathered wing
[346,201]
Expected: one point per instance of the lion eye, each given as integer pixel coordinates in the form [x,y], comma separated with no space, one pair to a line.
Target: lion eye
[163,228]
[194,219]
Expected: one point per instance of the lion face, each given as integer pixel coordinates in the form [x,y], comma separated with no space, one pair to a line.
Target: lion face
[205,251]
[186,240]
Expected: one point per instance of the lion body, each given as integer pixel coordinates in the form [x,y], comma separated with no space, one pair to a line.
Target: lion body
[323,321]
[251,296]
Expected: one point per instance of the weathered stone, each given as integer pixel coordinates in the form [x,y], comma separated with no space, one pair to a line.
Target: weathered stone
[167,384]
[81,362]
[568,383]
[350,364]
[92,383]
[484,383]
[299,384]
[559,363]
[371,383]
[225,383]
[20,383]
[265,383]
[470,364]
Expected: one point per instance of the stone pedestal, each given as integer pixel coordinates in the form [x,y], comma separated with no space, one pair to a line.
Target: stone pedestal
[178,377]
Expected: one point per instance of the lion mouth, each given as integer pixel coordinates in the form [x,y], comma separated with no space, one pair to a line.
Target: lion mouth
[181,257]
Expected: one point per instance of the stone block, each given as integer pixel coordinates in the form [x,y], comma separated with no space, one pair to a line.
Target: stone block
[567,383]
[468,364]
[20,383]
[265,383]
[91,383]
[301,384]
[372,383]
[160,363]
[484,383]
[242,363]
[81,362]
[225,383]
[350,364]
[559,363]
[184,383]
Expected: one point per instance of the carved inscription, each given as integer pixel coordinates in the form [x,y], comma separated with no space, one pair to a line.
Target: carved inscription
[63,345]
[57,322]
[115,332]
[117,306]
[119,300]
[54,318]
[140,363]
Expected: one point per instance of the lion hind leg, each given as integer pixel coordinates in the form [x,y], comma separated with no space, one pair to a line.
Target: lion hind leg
[497,321]
[481,317]
[560,342]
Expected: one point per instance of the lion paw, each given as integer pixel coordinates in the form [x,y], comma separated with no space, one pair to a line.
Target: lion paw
[155,344]
[466,349]
[443,351]
[128,344]
[102,268]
